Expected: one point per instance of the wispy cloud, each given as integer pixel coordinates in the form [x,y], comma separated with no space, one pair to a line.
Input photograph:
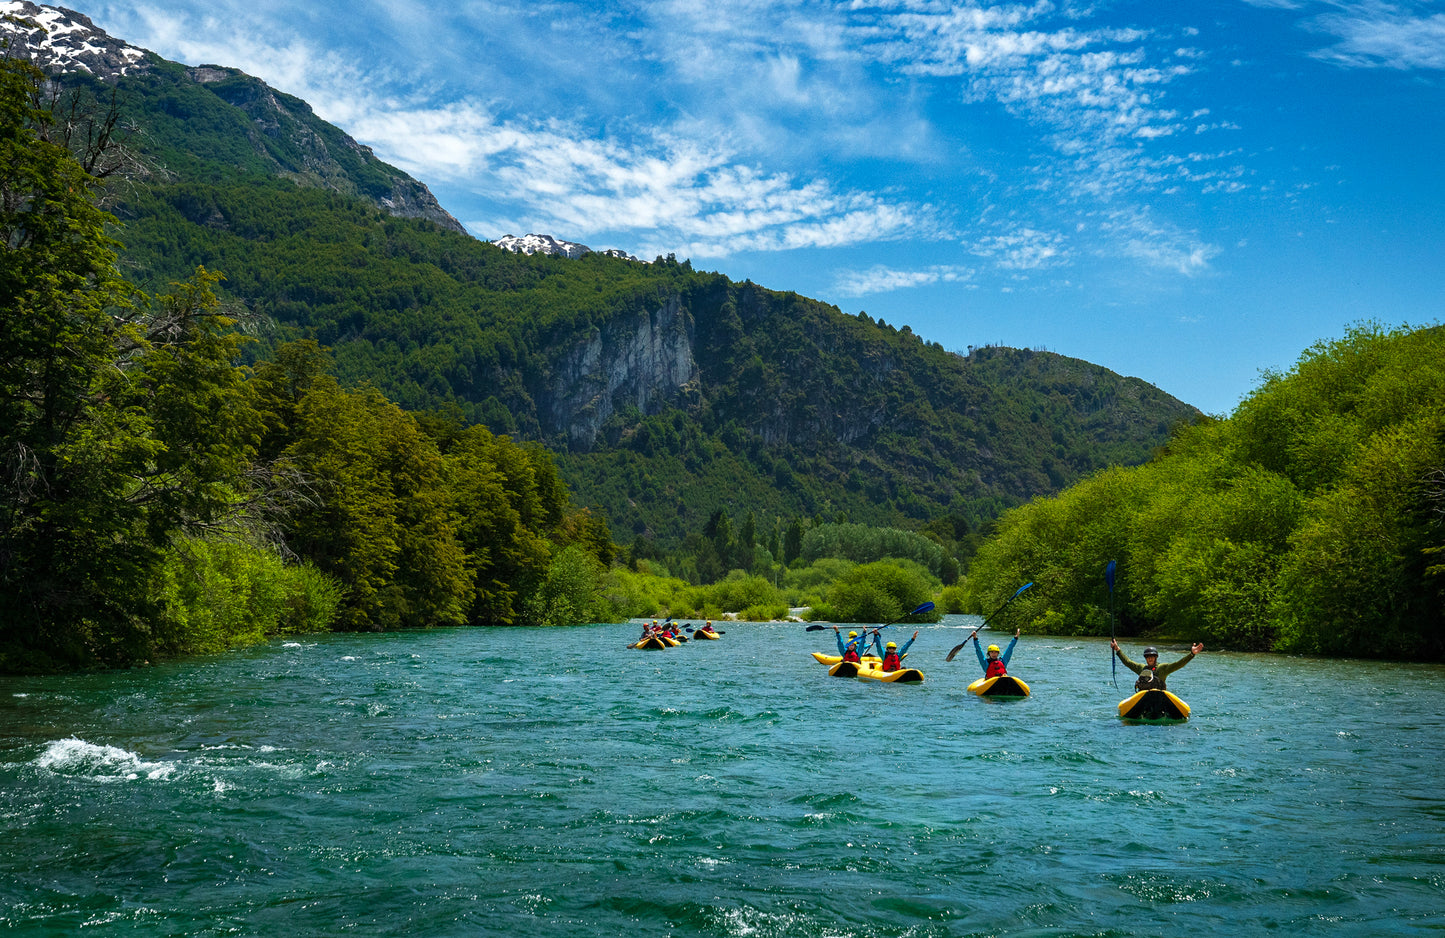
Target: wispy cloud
[1023,249]
[1383,35]
[1139,235]
[680,195]
[1089,89]
[883,279]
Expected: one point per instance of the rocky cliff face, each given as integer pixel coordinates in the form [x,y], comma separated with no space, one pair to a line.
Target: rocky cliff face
[643,361]
[65,44]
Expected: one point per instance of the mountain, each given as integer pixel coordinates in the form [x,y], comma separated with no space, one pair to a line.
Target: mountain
[187,109]
[546,244]
[666,393]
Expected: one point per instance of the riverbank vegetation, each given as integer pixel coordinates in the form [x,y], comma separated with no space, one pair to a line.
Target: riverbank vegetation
[1311,521]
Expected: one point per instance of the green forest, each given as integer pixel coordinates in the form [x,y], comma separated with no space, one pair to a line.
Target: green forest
[1311,521]
[162,498]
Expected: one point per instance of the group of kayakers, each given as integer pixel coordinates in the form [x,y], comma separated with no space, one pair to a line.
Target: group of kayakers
[994,662]
[671,630]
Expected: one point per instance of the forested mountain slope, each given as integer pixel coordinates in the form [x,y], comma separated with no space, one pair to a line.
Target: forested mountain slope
[666,392]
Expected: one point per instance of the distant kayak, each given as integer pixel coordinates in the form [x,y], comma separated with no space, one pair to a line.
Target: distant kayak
[1004,685]
[652,643]
[710,636]
[901,676]
[1154,706]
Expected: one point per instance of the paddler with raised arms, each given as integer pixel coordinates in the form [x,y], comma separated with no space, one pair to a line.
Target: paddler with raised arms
[854,649]
[996,664]
[893,656]
[1151,672]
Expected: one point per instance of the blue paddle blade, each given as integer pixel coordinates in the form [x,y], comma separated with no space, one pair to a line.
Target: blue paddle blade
[1109,574]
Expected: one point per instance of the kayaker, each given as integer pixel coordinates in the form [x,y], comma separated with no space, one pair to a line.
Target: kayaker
[996,664]
[707,627]
[893,655]
[1151,672]
[853,651]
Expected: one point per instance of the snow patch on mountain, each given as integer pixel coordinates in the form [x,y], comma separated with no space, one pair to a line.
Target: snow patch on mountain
[65,41]
[546,244]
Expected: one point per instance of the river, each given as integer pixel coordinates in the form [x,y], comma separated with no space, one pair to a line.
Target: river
[553,782]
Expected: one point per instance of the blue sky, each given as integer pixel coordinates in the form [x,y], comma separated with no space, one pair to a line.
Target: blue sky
[1190,193]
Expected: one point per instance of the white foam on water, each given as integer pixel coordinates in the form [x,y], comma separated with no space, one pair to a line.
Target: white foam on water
[75,756]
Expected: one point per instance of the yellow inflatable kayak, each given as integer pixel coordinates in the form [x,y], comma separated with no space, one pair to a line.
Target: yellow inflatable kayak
[843,669]
[651,643]
[710,636]
[834,659]
[1154,706]
[1005,685]
[901,676]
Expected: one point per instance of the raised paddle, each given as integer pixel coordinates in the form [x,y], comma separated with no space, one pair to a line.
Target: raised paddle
[959,647]
[1113,661]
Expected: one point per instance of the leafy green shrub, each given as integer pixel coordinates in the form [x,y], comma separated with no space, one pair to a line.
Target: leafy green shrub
[571,592]
[878,592]
[216,595]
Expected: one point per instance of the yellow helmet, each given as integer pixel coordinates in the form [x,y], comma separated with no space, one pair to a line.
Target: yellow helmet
[852,634]
[892,644]
[993,648]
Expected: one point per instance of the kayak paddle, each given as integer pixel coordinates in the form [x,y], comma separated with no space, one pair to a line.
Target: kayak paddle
[1113,661]
[959,647]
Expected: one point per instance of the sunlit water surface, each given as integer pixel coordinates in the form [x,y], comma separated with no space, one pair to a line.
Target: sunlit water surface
[553,782]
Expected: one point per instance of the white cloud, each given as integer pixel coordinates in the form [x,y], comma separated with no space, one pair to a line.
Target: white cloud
[1022,249]
[1383,35]
[883,279]
[1139,236]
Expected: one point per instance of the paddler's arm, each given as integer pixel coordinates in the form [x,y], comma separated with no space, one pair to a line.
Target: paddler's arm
[1132,666]
[1008,652]
[906,645]
[978,650]
[1168,669]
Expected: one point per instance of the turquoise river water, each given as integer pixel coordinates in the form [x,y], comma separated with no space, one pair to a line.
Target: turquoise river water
[552,782]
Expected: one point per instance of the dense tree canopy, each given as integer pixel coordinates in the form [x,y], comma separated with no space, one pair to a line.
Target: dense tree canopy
[1312,520]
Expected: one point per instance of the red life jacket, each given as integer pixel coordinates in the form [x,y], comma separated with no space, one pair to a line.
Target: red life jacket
[891,661]
[995,668]
[851,654]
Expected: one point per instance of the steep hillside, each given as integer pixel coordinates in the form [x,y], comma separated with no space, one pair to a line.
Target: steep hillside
[666,392]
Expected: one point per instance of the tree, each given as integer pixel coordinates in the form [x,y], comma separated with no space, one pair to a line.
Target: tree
[384,523]
[793,542]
